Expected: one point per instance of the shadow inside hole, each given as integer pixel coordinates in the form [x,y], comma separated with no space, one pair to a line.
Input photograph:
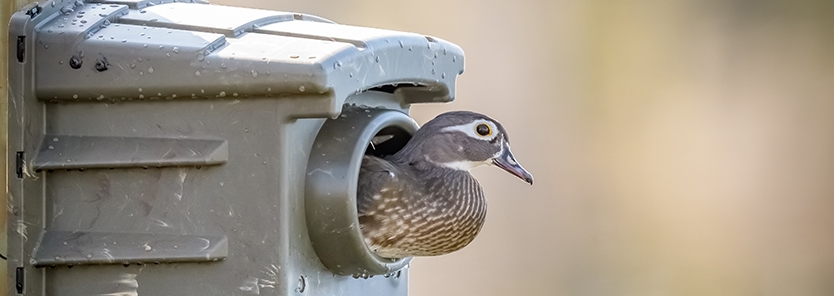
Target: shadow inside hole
[387,141]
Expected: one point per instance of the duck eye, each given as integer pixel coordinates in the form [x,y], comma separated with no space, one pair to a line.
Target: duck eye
[483,130]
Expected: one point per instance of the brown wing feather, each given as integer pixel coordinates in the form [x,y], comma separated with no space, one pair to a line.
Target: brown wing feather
[374,175]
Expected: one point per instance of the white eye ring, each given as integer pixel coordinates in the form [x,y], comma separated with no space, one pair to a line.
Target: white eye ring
[471,129]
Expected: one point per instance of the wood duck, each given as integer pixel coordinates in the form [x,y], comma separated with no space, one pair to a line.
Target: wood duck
[422,201]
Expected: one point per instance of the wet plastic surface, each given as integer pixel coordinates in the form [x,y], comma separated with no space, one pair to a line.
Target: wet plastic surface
[162,148]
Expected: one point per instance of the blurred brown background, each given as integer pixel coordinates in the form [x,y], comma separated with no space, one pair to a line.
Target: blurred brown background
[679,147]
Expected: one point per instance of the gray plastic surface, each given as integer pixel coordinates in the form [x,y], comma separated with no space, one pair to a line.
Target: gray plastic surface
[87,152]
[162,148]
[77,248]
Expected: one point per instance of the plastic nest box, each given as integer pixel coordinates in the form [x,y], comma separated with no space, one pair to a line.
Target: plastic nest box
[162,148]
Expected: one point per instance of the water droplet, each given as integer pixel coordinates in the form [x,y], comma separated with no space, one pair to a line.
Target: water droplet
[222,66]
[234,94]
[148,248]
[454,58]
[176,49]
[376,59]
[301,88]
[174,96]
[141,73]
[401,44]
[293,56]
[61,62]
[268,89]
[222,93]
[161,46]
[197,73]
[57,258]
[351,74]
[200,57]
[64,243]
[443,75]
[46,46]
[254,73]
[90,256]
[50,148]
[444,50]
[432,72]
[74,96]
[69,160]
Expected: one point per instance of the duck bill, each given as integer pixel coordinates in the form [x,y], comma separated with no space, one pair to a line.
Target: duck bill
[506,161]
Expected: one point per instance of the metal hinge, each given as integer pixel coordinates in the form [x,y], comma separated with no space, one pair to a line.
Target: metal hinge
[19,165]
[21,48]
[19,280]
[34,11]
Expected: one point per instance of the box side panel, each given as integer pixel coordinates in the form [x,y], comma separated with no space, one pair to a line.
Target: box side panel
[239,200]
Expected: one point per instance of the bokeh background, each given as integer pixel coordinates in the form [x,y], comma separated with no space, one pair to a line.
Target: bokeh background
[680,147]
